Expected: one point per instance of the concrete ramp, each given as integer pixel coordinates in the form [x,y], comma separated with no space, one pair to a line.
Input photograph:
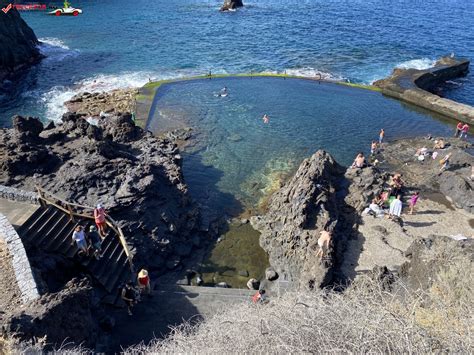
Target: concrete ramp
[17,212]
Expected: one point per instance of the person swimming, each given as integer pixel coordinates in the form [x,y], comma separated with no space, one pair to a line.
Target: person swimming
[265,118]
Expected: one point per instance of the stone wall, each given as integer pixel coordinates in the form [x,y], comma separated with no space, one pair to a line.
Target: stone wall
[414,86]
[20,262]
[14,194]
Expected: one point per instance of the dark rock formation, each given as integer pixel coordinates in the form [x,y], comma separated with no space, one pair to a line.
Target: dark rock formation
[416,86]
[134,174]
[66,316]
[18,43]
[231,5]
[319,196]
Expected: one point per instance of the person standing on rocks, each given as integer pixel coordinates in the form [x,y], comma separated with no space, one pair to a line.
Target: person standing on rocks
[79,238]
[129,295]
[143,282]
[458,129]
[381,136]
[396,207]
[464,130]
[413,201]
[99,217]
[324,242]
[95,242]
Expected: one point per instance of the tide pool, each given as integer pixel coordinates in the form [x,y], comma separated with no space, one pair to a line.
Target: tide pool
[235,159]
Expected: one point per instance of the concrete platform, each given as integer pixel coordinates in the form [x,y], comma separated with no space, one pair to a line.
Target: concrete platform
[17,212]
[170,306]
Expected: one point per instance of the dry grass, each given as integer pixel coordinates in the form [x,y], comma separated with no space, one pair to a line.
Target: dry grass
[366,318]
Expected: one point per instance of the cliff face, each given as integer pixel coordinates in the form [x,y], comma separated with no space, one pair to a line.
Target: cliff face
[18,43]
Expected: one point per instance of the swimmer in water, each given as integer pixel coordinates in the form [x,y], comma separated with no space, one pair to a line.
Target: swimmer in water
[265,118]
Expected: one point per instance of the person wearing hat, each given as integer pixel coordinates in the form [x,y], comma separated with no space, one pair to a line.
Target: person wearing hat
[143,281]
[99,217]
[95,242]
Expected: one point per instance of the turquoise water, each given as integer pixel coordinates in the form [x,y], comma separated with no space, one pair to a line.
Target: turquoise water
[235,159]
[118,43]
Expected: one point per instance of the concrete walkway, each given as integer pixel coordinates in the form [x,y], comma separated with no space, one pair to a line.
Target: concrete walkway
[170,306]
[16,212]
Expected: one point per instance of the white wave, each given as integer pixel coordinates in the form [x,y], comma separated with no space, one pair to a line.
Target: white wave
[53,42]
[54,102]
[55,50]
[420,64]
[309,72]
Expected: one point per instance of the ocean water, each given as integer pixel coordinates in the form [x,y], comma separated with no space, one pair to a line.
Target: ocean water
[118,43]
[235,160]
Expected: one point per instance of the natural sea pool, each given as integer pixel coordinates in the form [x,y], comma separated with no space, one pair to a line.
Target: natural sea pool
[235,159]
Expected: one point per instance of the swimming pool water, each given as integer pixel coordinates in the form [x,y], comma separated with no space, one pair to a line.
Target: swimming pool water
[235,159]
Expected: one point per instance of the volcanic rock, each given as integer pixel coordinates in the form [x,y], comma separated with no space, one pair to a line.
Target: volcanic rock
[134,174]
[18,44]
[231,5]
[66,315]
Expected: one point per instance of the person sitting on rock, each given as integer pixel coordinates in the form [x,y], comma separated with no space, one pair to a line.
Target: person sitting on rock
[79,238]
[129,295]
[396,184]
[374,209]
[359,161]
[373,148]
[143,282]
[444,163]
[95,242]
[99,216]
[259,297]
[324,242]
[439,144]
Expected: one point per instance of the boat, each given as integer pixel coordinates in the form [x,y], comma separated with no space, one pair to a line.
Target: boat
[66,10]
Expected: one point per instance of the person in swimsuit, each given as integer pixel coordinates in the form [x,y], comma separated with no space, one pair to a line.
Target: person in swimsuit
[324,242]
[464,130]
[458,129]
[265,118]
[381,136]
[413,200]
[359,161]
[373,147]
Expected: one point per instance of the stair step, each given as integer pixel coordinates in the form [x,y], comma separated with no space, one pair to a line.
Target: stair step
[62,243]
[44,239]
[120,272]
[91,262]
[108,261]
[34,217]
[65,228]
[50,221]
[36,223]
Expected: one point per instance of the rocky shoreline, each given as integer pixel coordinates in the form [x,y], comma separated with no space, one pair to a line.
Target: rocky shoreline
[19,45]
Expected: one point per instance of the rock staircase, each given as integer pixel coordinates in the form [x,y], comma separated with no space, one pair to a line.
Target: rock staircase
[50,229]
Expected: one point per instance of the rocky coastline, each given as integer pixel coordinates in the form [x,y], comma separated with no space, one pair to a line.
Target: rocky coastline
[19,45]
[138,178]
[324,196]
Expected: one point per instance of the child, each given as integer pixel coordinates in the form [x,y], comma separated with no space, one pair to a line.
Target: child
[413,200]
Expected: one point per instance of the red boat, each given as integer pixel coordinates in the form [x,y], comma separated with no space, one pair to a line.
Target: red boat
[29,7]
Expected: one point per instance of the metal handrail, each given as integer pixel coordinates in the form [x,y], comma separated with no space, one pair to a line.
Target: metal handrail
[68,208]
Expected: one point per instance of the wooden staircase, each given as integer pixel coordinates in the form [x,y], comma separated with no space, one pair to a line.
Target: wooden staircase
[50,229]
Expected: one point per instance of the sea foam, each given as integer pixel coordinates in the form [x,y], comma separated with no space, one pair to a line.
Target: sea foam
[420,64]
